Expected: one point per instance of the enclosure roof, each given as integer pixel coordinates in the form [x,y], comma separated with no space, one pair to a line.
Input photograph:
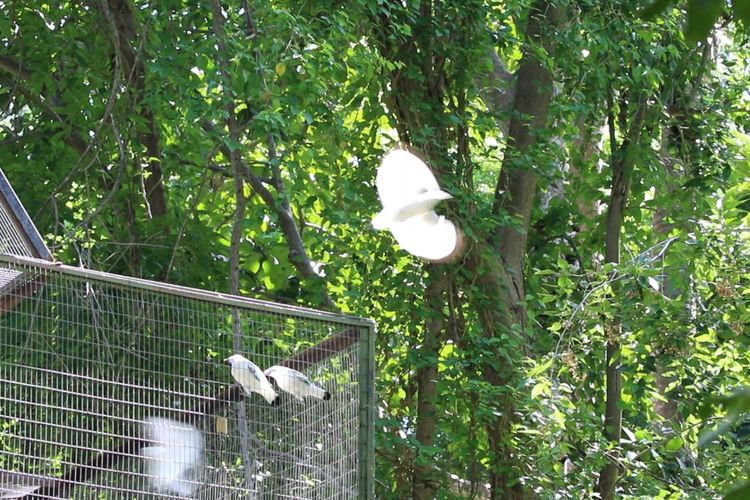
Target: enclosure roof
[195,293]
[12,205]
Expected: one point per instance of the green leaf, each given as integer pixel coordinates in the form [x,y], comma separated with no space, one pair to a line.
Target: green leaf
[701,17]
[254,266]
[741,10]
[741,492]
[538,370]
[539,389]
[675,444]
[655,8]
[744,204]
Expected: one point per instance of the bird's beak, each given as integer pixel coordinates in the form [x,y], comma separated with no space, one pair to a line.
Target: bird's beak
[226,360]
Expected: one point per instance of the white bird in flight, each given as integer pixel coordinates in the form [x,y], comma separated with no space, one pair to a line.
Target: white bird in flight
[409,191]
[251,377]
[177,450]
[295,383]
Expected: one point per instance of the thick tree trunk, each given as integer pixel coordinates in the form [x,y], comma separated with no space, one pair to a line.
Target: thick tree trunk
[515,191]
[497,317]
[417,103]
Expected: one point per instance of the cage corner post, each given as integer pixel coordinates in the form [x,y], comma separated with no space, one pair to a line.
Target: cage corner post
[366,452]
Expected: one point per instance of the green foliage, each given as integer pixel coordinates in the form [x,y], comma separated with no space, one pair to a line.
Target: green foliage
[321,79]
[702,15]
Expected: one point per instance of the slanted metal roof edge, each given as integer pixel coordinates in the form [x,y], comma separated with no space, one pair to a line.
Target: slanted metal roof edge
[25,223]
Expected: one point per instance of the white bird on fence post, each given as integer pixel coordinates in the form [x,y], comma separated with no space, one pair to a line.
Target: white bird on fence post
[177,450]
[295,383]
[408,190]
[251,377]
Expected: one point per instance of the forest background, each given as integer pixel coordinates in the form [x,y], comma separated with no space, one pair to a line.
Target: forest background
[593,337]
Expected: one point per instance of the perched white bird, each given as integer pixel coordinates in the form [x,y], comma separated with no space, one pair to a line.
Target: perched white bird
[409,191]
[251,377]
[177,451]
[296,383]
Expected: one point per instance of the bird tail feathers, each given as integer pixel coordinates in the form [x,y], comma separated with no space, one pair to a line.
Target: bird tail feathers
[318,392]
[270,396]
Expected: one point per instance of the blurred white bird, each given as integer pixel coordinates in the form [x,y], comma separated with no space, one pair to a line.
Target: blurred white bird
[251,377]
[295,383]
[409,191]
[177,450]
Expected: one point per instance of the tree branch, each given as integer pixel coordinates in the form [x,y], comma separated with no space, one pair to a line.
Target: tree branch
[279,204]
[125,32]
[497,90]
[14,67]
[73,139]
[239,216]
[623,161]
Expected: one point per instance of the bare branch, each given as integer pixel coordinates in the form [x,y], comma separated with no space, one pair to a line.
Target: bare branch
[124,33]
[497,90]
[14,67]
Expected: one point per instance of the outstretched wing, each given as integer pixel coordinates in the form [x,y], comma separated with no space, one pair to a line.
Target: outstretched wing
[178,447]
[402,177]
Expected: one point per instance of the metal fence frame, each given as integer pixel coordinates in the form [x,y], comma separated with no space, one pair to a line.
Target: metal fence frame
[355,330]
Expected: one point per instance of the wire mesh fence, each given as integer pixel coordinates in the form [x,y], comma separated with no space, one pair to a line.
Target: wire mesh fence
[90,361]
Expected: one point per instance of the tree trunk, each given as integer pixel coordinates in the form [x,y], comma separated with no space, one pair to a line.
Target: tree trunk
[126,39]
[582,148]
[514,193]
[623,159]
[417,103]
[416,100]
[237,231]
[665,408]
[423,484]
[278,201]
